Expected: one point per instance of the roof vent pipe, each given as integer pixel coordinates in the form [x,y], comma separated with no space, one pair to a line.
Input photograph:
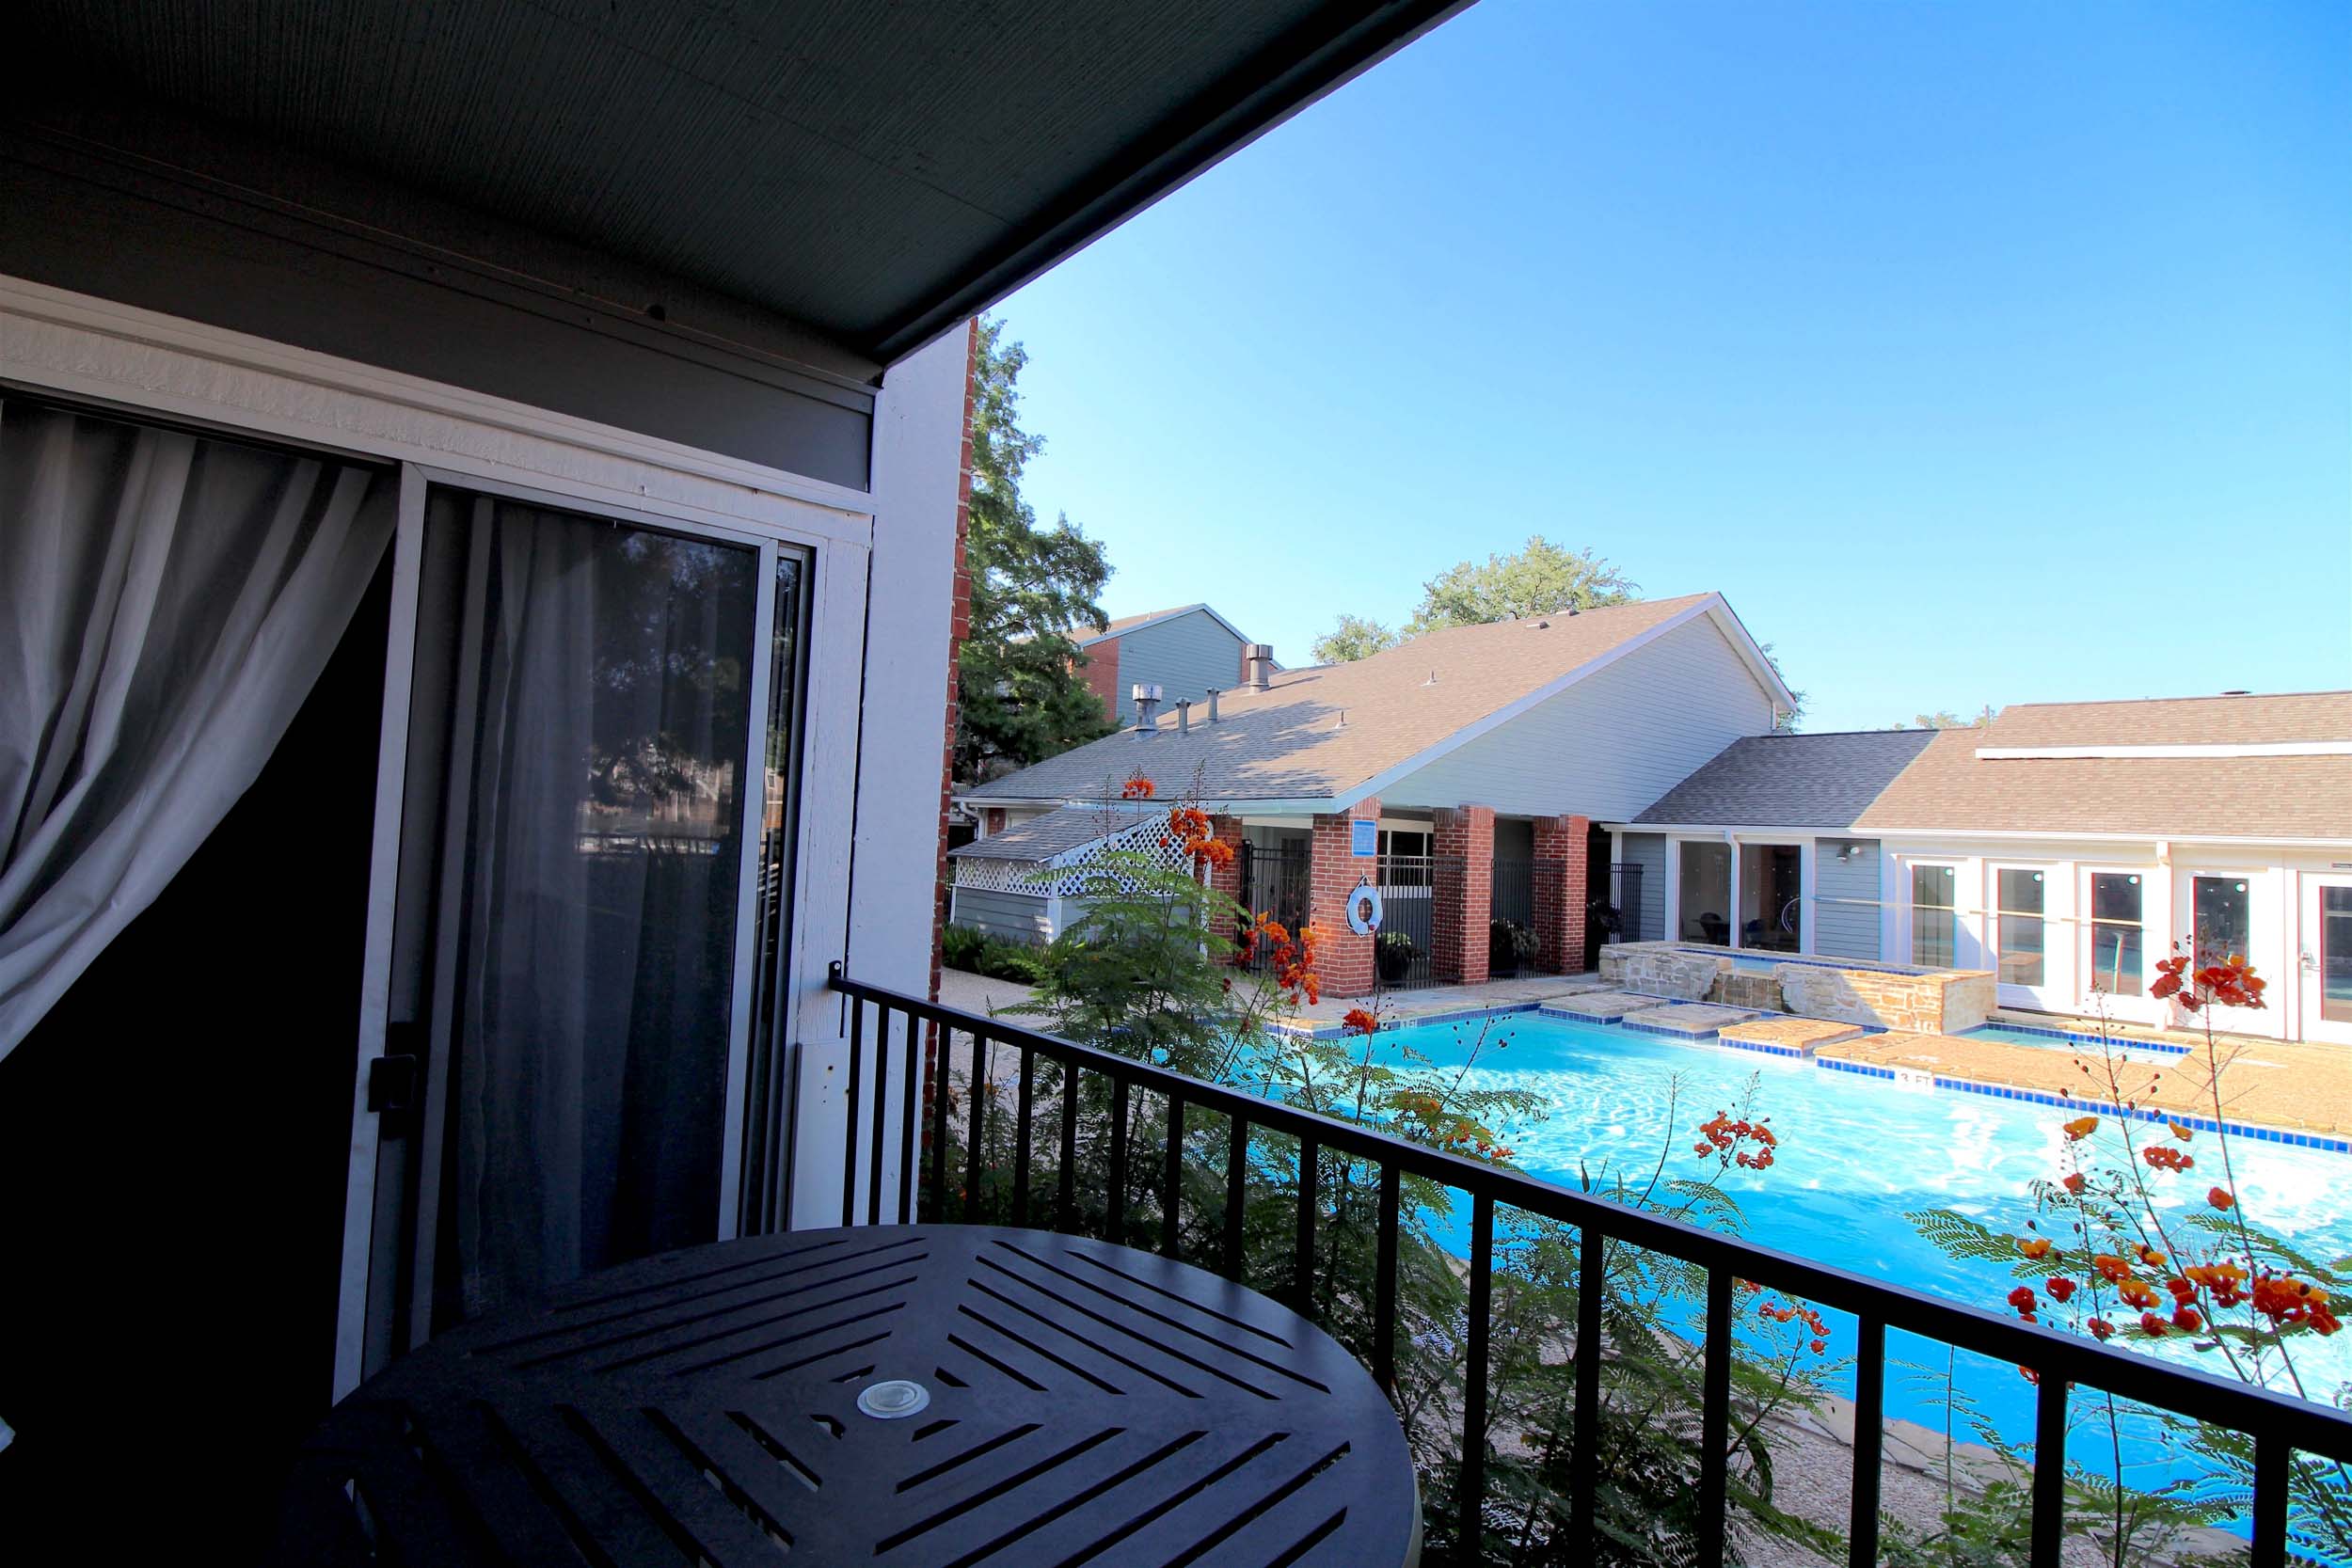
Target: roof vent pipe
[1257,663]
[1183,716]
[1213,705]
[1146,710]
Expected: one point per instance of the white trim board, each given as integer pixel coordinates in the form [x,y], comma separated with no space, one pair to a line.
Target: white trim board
[2198,749]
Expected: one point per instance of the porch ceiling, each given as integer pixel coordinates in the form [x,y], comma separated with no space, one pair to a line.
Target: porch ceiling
[876,169]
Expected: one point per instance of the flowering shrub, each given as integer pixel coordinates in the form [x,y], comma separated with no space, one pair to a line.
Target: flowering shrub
[2111,1254]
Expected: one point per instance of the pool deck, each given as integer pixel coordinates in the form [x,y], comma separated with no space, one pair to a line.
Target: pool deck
[2293,1086]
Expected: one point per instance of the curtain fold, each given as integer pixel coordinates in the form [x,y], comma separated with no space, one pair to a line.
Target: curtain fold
[167,601]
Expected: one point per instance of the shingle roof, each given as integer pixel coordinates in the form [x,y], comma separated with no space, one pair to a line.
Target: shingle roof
[1083,633]
[1951,787]
[1790,780]
[1041,838]
[1289,742]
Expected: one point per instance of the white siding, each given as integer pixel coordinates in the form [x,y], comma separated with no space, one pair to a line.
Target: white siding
[1610,744]
[1845,893]
[1016,916]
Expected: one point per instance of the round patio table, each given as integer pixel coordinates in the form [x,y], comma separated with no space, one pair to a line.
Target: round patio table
[932,1395]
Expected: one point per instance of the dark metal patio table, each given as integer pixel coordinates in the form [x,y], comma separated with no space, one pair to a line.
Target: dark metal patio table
[932,1395]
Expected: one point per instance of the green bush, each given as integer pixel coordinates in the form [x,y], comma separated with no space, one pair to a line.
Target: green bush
[960,947]
[1010,960]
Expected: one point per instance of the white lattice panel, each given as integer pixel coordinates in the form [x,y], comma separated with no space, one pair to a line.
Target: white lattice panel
[1000,876]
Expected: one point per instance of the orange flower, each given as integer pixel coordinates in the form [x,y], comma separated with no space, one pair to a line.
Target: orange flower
[2074,1182]
[2187,1318]
[2037,1249]
[2180,1131]
[2222,1199]
[2111,1268]
[2136,1293]
[2022,1298]
[2150,1256]
[2165,1157]
[2081,1127]
[1358,1022]
[2100,1328]
[1137,787]
[2060,1289]
[2152,1326]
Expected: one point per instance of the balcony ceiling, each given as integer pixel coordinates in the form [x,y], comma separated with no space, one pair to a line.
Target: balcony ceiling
[877,169]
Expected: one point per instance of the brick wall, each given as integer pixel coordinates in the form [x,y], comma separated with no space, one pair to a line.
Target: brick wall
[1465,898]
[1345,958]
[960,629]
[1098,667]
[1561,848]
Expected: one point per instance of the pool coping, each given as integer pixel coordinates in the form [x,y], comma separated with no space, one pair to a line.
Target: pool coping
[1916,1079]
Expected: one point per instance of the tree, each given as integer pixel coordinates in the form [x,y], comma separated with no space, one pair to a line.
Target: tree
[1020,689]
[1945,718]
[1540,580]
[1355,637]
[1791,718]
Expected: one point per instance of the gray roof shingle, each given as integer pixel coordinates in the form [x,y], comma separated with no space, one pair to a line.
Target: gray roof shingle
[1790,780]
[1041,838]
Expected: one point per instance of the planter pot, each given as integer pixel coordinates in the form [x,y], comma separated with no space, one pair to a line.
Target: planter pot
[1393,963]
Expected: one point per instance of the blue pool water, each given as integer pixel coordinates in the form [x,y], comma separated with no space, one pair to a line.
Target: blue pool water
[1855,1155]
[2058,1040]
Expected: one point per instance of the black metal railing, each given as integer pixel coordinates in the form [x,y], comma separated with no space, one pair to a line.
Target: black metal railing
[2280,1425]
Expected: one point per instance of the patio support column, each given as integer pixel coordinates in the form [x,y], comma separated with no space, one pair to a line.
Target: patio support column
[1226,879]
[1465,898]
[1560,852]
[1343,958]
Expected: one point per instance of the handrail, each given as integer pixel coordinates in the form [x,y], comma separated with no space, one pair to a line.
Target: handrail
[2280,1424]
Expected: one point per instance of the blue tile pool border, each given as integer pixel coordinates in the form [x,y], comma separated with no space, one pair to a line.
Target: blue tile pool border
[2076,1036]
[2323,1141]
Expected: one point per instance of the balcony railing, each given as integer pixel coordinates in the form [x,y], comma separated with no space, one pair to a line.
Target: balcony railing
[2280,1425]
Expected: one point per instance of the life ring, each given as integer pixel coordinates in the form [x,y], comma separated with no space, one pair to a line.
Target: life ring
[1364,910]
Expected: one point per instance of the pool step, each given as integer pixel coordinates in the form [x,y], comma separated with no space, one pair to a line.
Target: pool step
[1689,1020]
[1783,1035]
[1602,1007]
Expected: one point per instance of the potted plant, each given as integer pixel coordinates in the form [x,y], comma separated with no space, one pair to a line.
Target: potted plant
[1393,954]
[1510,946]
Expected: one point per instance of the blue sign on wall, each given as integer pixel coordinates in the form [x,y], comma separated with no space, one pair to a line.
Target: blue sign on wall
[1363,838]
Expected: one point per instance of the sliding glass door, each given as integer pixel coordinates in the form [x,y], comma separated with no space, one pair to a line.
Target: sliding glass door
[575,935]
[1704,891]
[1933,915]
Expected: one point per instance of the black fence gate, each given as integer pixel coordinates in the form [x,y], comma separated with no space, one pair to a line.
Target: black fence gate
[1420,895]
[1616,912]
[1274,881]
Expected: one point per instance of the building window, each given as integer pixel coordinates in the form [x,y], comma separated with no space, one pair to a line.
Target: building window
[1404,859]
[2019,897]
[1706,894]
[2225,918]
[1932,890]
[2116,938]
[1772,883]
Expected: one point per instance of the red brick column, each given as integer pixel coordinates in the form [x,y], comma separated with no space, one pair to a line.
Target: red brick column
[1465,900]
[1226,879]
[1560,852]
[1345,958]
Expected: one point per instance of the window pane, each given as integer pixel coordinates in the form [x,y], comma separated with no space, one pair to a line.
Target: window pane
[2224,918]
[2023,933]
[2335,954]
[1932,887]
[2115,932]
[1771,876]
[1706,894]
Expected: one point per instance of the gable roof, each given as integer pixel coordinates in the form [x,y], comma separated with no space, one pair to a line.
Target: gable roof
[1041,838]
[2129,786]
[1083,635]
[1790,780]
[1336,732]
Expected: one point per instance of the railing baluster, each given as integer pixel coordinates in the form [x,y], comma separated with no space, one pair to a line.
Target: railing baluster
[2273,1455]
[1384,1282]
[1870,1428]
[907,1149]
[1715,1420]
[882,1118]
[1236,1191]
[1023,1114]
[1303,1258]
[1170,1213]
[941,1079]
[1066,1181]
[1471,1505]
[2049,1470]
[1592,1264]
[848,1123]
[1115,1216]
[976,1131]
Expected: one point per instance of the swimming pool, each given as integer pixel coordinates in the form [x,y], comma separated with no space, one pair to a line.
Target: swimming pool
[1857,1154]
[2066,1040]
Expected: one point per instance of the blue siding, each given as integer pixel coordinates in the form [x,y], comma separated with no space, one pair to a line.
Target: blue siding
[1016,916]
[1185,655]
[1649,851]
[1845,910]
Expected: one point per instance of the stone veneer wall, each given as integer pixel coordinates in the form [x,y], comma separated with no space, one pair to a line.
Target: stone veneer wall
[1946,1002]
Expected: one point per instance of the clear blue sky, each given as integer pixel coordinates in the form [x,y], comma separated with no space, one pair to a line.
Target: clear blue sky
[1979,353]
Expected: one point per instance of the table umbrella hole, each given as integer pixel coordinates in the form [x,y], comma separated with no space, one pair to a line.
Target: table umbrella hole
[892,1398]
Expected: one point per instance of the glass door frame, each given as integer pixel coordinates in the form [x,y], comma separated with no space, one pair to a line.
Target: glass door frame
[359,1297]
[2267,924]
[2309,956]
[2055,986]
[1911,866]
